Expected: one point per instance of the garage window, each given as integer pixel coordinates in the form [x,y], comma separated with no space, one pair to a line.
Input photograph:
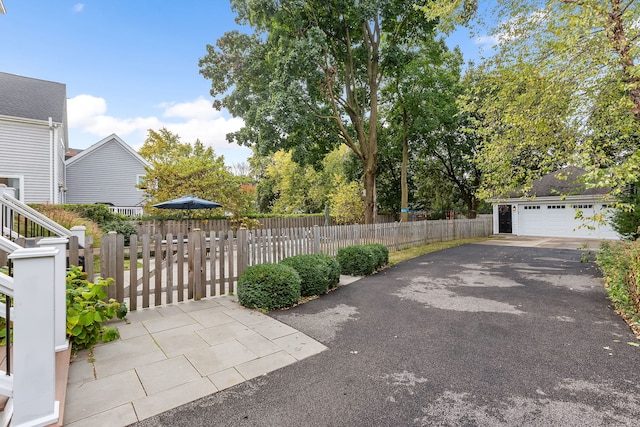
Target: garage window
[556,206]
[582,206]
[532,207]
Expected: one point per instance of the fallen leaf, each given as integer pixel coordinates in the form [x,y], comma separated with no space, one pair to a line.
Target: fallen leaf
[635,344]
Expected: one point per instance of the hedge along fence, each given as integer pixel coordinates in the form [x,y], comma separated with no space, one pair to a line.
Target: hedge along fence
[203,264]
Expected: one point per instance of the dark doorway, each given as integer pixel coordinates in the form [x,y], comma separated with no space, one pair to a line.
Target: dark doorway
[504,218]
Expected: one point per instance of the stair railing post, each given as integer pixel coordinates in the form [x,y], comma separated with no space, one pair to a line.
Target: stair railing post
[33,348]
[60,290]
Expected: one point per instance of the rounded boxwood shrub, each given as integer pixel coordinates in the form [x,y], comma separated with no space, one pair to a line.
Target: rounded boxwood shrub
[357,260]
[333,268]
[269,286]
[315,272]
[381,252]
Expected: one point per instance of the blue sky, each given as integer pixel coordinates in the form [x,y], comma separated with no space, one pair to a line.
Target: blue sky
[131,65]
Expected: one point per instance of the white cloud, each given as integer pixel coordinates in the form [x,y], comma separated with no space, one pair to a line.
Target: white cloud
[191,120]
[486,41]
[78,7]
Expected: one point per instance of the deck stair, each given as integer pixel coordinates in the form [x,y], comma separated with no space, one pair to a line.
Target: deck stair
[35,267]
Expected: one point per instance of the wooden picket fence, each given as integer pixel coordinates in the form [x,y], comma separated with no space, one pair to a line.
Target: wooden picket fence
[172,268]
[176,227]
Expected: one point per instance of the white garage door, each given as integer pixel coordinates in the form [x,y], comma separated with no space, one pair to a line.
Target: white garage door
[559,220]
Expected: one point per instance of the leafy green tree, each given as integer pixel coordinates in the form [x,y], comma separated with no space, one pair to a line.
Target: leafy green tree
[177,169]
[345,203]
[626,220]
[309,77]
[521,120]
[574,60]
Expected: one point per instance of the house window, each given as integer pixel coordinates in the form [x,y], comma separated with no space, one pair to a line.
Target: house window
[140,182]
[14,182]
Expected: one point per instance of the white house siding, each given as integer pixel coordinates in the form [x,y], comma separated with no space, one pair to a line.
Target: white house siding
[107,174]
[24,150]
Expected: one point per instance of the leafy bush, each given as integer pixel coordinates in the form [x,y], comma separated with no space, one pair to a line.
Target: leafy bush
[357,260]
[361,260]
[269,286]
[88,311]
[314,273]
[620,264]
[381,252]
[333,268]
[121,227]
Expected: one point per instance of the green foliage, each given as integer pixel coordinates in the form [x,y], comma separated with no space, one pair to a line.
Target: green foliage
[88,310]
[564,87]
[179,169]
[121,227]
[357,260]
[381,253]
[620,264]
[333,268]
[98,212]
[346,204]
[626,219]
[269,287]
[315,273]
[309,76]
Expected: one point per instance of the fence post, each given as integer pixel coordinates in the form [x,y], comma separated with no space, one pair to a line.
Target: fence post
[79,232]
[34,354]
[243,250]
[316,239]
[60,290]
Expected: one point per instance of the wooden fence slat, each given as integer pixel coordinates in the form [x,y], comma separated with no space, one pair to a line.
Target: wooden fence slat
[88,258]
[180,263]
[133,272]
[169,275]
[119,276]
[231,259]
[157,258]
[146,262]
[221,264]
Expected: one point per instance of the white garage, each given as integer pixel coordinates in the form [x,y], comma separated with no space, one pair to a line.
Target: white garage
[557,206]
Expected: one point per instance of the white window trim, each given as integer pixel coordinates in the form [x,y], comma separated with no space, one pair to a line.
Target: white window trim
[20,188]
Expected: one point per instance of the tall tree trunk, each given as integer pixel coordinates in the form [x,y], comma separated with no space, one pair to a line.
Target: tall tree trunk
[370,211]
[404,187]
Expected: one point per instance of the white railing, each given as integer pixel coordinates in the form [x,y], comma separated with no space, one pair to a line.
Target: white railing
[37,288]
[127,210]
[37,284]
[12,206]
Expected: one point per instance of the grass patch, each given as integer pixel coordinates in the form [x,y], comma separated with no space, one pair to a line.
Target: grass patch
[406,254]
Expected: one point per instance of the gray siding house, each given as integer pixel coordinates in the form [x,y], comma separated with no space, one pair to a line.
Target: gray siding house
[33,138]
[107,172]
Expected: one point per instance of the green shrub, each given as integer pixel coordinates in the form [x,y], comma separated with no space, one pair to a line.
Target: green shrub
[381,252]
[121,227]
[269,286]
[357,260]
[620,264]
[314,273]
[333,268]
[88,311]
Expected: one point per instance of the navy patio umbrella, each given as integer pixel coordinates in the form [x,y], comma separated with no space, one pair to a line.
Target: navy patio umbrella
[188,203]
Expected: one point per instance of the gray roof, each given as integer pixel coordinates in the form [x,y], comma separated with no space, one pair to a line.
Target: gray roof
[566,181]
[30,98]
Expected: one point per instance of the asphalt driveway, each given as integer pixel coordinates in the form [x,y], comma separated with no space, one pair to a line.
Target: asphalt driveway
[486,335]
